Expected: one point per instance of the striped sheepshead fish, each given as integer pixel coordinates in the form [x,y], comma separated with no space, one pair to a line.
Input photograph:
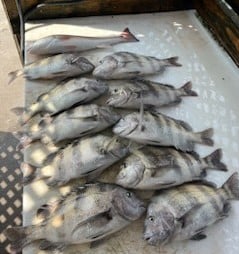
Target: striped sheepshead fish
[55,44]
[87,214]
[74,123]
[64,96]
[125,65]
[186,211]
[159,168]
[132,93]
[59,66]
[86,157]
[160,130]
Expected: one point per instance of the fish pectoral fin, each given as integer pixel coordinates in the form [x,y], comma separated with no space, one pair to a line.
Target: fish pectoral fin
[100,218]
[198,237]
[183,219]
[51,246]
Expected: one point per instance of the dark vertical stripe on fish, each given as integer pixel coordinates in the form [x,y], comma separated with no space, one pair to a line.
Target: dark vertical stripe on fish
[211,198]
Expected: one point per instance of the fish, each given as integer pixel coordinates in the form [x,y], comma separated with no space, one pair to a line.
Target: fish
[187,210]
[62,97]
[132,93]
[87,214]
[127,65]
[154,128]
[36,153]
[157,168]
[74,123]
[86,157]
[60,66]
[55,44]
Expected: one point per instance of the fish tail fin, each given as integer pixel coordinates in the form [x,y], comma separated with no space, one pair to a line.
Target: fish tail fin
[205,137]
[20,236]
[127,35]
[186,89]
[13,75]
[213,160]
[25,115]
[30,173]
[231,186]
[172,61]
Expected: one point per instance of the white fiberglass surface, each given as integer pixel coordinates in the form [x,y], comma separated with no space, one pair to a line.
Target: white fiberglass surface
[214,77]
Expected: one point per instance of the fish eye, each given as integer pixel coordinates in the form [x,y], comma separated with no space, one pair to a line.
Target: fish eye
[128,194]
[124,165]
[151,218]
[100,61]
[115,90]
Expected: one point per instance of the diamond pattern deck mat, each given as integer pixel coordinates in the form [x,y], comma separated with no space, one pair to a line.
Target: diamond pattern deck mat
[10,187]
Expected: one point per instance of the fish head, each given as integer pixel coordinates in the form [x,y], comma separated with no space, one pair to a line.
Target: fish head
[93,85]
[106,67]
[131,172]
[109,115]
[126,125]
[116,147]
[127,204]
[159,225]
[119,96]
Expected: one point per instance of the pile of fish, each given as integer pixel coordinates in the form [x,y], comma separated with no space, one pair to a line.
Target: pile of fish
[157,151]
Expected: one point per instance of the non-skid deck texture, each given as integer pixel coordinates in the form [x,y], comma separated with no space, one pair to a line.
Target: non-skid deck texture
[214,77]
[11,189]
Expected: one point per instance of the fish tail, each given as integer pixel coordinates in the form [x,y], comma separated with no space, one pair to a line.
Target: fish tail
[231,186]
[13,75]
[172,61]
[127,35]
[213,160]
[30,173]
[20,236]
[186,89]
[205,137]
[25,115]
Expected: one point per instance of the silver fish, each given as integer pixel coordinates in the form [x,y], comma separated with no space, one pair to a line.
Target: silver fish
[75,91]
[77,122]
[58,66]
[125,65]
[158,168]
[87,157]
[160,130]
[173,211]
[36,153]
[131,94]
[55,44]
[87,214]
